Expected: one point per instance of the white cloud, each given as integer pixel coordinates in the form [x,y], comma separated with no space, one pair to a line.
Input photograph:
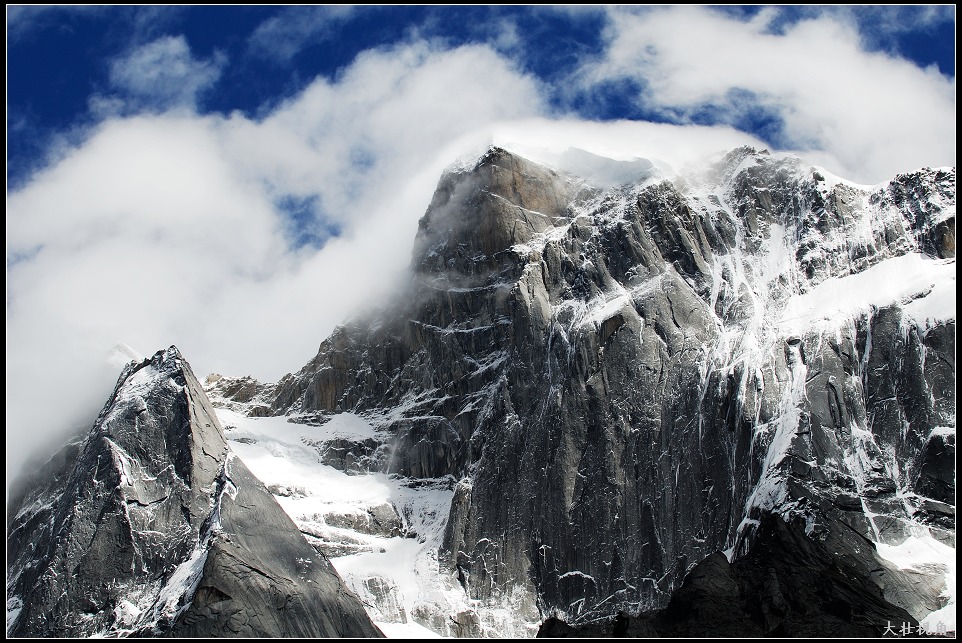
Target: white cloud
[871,114]
[128,237]
[675,148]
[164,229]
[389,111]
[507,38]
[163,74]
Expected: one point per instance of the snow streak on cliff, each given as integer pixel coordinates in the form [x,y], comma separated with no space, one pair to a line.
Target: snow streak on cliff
[618,382]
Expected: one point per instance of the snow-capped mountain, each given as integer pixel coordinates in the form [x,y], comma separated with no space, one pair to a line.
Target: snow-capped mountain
[588,392]
[624,381]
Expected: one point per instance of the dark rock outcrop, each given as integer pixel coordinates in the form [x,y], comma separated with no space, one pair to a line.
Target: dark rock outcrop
[150,526]
[789,585]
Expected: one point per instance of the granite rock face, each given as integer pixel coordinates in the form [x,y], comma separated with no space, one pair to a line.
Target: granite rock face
[150,526]
[626,381]
[619,383]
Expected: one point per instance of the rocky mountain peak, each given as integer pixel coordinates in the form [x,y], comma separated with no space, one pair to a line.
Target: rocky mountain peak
[151,526]
[478,214]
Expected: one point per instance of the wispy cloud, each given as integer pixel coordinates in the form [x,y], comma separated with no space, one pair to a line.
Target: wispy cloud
[875,21]
[137,23]
[285,35]
[24,20]
[161,75]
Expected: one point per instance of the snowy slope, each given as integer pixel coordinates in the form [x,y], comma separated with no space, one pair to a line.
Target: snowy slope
[397,576]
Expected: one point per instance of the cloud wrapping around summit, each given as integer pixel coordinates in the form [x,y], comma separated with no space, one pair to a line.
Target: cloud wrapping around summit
[245,238]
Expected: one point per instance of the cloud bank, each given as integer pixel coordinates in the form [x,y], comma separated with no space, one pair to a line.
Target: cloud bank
[245,240]
[870,115]
[170,228]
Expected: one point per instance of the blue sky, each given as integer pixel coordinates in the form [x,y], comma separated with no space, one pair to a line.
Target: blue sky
[267,54]
[238,181]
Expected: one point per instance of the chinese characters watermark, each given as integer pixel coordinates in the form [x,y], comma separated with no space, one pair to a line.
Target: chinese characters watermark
[907,629]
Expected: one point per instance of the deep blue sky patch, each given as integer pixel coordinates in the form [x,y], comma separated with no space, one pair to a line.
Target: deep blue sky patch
[305,224]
